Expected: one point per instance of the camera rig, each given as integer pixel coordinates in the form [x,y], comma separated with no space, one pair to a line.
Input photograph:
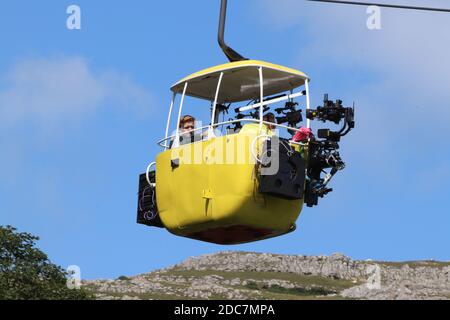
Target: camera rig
[322,156]
[324,150]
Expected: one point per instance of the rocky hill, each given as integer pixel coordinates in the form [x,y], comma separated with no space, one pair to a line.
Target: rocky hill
[241,275]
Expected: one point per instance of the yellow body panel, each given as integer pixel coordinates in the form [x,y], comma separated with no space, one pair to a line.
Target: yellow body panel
[219,190]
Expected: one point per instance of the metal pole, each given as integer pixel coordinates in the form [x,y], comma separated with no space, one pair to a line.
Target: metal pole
[177,135]
[213,117]
[261,108]
[229,52]
[168,120]
[308,102]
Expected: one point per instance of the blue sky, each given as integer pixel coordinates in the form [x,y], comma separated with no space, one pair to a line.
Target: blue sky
[80,112]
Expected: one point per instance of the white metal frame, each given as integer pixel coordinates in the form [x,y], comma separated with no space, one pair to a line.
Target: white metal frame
[169,118]
[308,102]
[162,142]
[210,128]
[213,115]
[261,99]
[176,142]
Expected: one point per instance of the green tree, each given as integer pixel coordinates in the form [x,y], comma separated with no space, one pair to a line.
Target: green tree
[26,272]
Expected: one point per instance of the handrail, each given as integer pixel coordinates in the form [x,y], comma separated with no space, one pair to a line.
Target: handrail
[246,108]
[164,140]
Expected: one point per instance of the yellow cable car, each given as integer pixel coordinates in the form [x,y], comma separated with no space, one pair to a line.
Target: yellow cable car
[251,182]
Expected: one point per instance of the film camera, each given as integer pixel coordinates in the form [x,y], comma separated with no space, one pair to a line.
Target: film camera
[290,115]
[330,111]
[333,112]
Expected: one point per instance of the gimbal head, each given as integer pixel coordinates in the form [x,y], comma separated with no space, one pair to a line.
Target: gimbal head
[333,112]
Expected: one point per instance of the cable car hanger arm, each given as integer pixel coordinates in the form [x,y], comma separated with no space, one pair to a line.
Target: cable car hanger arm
[232,55]
[393,6]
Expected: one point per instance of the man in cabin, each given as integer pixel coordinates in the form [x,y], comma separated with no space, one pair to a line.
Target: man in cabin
[270,117]
[187,123]
[186,129]
[188,134]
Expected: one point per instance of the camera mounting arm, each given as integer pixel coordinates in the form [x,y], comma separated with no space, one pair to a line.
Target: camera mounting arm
[324,152]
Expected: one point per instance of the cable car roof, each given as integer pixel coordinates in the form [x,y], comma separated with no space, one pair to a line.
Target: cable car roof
[240,81]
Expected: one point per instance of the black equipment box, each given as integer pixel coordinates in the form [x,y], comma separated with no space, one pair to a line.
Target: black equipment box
[289,180]
[147,210]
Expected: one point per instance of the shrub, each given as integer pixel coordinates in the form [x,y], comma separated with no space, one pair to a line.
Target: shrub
[26,272]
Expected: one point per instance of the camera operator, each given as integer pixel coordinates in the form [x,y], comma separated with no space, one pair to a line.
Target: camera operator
[270,117]
[303,135]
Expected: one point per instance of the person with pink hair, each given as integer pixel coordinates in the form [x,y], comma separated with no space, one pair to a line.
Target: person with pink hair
[303,135]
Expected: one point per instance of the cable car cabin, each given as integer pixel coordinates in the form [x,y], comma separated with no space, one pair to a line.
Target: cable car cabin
[208,188]
[245,178]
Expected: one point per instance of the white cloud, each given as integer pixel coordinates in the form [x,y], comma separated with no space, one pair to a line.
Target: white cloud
[41,98]
[46,92]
